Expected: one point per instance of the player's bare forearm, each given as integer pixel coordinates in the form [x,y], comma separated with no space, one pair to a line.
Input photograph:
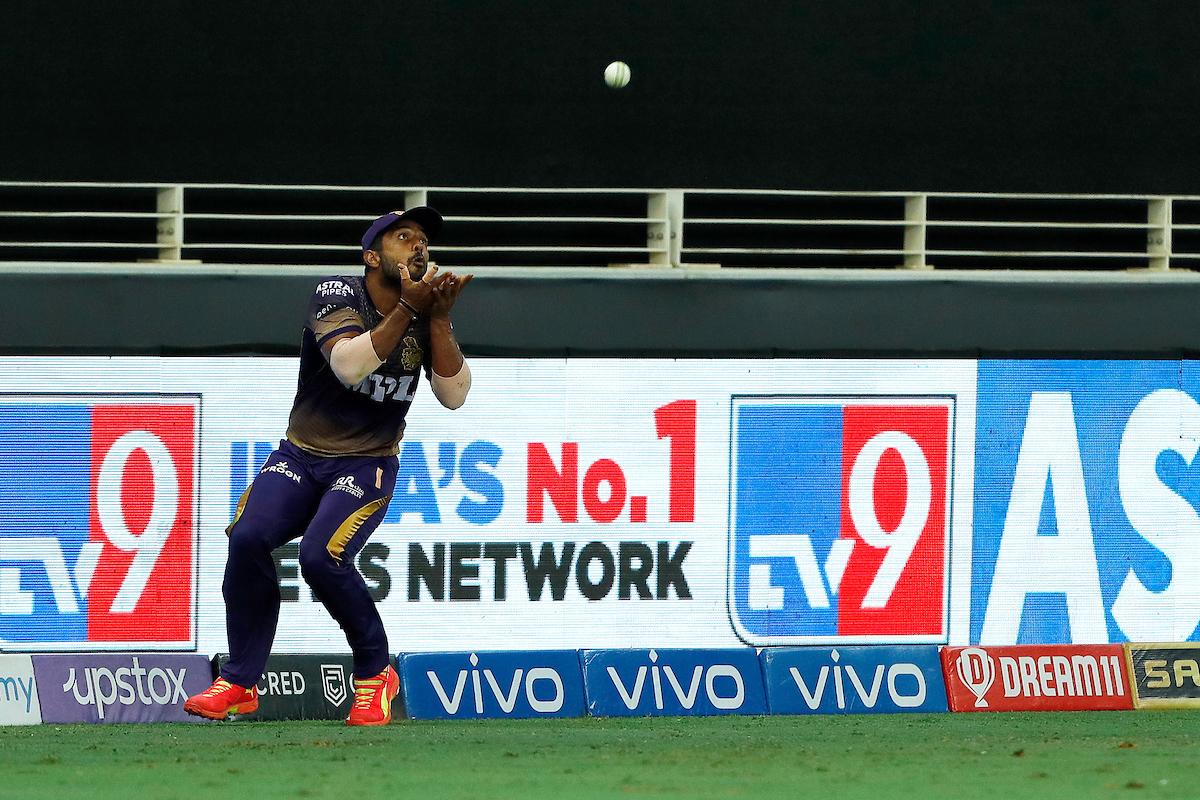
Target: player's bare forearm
[447,357]
[386,336]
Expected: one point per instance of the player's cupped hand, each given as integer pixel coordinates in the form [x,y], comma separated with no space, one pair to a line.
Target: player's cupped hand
[445,293]
[420,293]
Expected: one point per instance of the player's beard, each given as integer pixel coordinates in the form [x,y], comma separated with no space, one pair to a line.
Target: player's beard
[392,270]
[418,266]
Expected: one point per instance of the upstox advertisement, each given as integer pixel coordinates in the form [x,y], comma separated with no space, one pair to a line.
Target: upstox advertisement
[599,504]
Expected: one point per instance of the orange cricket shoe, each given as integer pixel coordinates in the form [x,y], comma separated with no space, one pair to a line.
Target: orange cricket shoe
[222,699]
[373,698]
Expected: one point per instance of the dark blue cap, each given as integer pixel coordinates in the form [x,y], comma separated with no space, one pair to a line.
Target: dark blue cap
[428,218]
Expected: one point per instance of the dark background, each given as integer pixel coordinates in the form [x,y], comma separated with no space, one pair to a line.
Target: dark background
[927,96]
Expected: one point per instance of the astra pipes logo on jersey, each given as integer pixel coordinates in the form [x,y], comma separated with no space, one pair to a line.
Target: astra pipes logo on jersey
[839,518]
[97,521]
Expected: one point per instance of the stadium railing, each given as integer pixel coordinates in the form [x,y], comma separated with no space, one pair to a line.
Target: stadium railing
[188,223]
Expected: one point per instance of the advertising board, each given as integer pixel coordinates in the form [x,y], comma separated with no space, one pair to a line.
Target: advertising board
[853,680]
[477,685]
[1037,678]
[1085,523]
[119,687]
[313,686]
[98,522]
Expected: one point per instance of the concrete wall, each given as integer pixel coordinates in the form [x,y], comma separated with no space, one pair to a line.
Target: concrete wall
[590,313]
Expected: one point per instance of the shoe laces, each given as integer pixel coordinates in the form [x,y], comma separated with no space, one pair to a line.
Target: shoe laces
[365,690]
[220,685]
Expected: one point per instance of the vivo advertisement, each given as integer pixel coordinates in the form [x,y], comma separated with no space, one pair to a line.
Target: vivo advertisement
[603,504]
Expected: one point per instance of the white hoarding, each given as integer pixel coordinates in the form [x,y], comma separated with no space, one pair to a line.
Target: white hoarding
[589,503]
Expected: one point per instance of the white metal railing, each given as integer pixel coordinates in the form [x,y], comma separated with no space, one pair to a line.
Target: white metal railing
[669,228]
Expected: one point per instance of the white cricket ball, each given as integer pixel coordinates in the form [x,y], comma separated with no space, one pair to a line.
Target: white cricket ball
[617,74]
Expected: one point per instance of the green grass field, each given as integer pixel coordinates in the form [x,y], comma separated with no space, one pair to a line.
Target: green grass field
[1068,755]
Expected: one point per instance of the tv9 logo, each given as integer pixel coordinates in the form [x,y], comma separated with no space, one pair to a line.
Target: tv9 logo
[839,525]
[97,521]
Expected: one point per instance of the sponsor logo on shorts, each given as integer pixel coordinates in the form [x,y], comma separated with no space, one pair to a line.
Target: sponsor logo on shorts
[283,469]
[346,484]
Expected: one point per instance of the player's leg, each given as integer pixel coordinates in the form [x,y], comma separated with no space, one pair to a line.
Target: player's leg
[350,511]
[274,509]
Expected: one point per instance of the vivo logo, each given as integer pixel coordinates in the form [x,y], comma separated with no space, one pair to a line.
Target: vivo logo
[865,687]
[104,687]
[503,696]
[687,690]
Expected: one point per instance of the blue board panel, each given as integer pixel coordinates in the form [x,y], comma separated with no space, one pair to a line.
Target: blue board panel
[853,680]
[637,683]
[477,685]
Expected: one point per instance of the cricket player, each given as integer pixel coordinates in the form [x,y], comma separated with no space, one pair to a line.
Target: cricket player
[366,341]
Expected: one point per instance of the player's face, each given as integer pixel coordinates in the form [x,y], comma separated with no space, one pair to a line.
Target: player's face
[404,247]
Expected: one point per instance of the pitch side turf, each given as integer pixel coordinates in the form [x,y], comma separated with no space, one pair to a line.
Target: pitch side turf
[1060,755]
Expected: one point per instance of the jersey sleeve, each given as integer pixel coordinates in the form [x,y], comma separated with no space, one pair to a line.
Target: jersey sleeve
[332,311]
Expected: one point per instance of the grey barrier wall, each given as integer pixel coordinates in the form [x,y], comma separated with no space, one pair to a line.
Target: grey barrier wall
[669,314]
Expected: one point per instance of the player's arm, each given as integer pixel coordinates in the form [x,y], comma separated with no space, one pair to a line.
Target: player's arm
[450,377]
[354,356]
